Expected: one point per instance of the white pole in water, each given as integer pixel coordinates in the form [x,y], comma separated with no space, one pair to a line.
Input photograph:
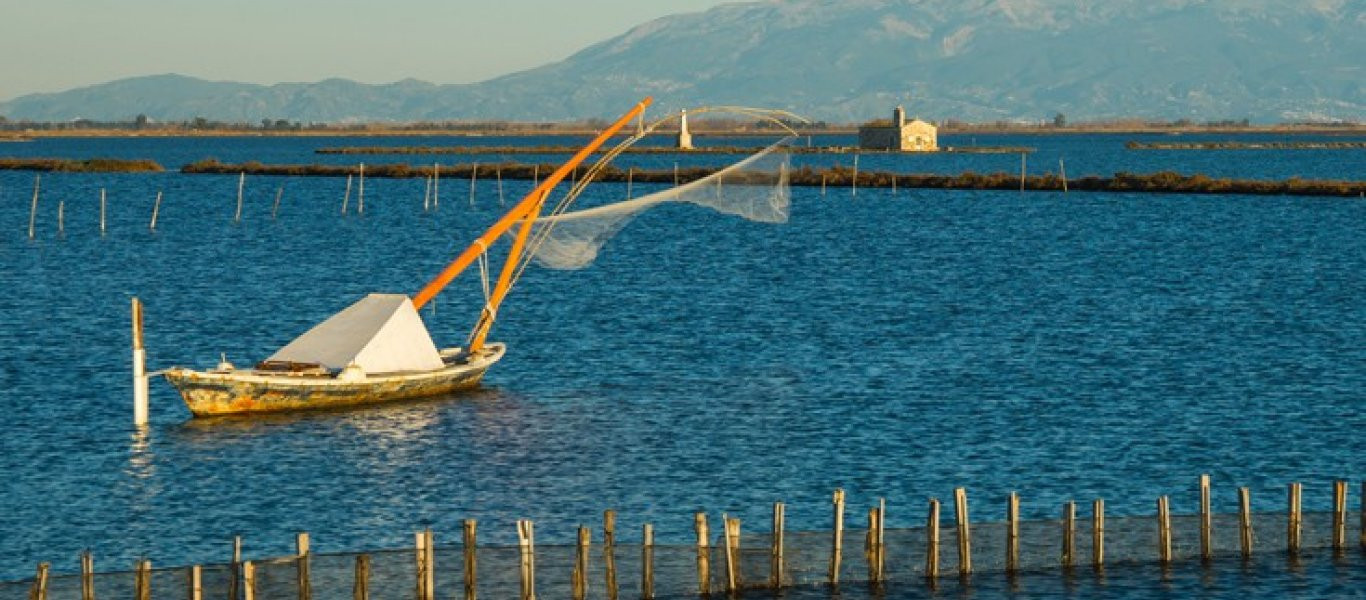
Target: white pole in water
[1022,172]
[436,186]
[360,193]
[427,195]
[241,181]
[853,185]
[156,208]
[474,175]
[61,217]
[346,197]
[1062,168]
[101,211]
[140,379]
[33,210]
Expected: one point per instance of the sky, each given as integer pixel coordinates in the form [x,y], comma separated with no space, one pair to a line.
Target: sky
[54,45]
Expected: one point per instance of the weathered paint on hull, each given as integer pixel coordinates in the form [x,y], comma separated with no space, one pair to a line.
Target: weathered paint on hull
[212,394]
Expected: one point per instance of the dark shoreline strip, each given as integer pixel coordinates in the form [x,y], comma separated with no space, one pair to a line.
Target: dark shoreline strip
[93,165]
[1165,182]
[476,150]
[1246,145]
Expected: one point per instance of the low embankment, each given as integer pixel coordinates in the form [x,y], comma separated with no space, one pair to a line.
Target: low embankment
[1246,145]
[93,165]
[1162,182]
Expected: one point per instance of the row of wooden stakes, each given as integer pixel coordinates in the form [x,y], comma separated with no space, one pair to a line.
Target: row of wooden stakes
[243,583]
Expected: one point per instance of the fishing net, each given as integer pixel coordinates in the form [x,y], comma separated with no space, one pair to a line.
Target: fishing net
[755,189]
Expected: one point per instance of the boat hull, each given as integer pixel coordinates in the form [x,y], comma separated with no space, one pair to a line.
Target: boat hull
[214,393]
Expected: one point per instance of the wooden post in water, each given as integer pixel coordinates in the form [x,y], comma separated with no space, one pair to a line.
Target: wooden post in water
[1098,534]
[87,576]
[535,176]
[248,581]
[498,172]
[837,544]
[420,554]
[436,186]
[140,379]
[932,541]
[822,185]
[1069,535]
[869,550]
[630,177]
[1206,521]
[156,209]
[1339,516]
[1062,168]
[360,590]
[474,175]
[1294,519]
[471,563]
[853,183]
[346,196]
[732,538]
[302,557]
[1245,522]
[647,563]
[241,182]
[275,208]
[579,581]
[1022,172]
[1012,533]
[894,184]
[196,583]
[960,503]
[427,194]
[38,591]
[609,551]
[102,203]
[360,191]
[703,554]
[33,208]
[142,582]
[61,217]
[235,568]
[1164,530]
[880,541]
[526,542]
[776,558]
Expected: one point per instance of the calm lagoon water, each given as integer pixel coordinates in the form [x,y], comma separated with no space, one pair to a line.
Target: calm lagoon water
[1065,347]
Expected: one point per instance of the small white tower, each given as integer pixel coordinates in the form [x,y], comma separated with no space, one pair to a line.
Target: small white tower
[684,137]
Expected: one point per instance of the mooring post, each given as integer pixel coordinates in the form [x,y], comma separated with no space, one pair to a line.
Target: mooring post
[360,192]
[427,194]
[101,211]
[932,541]
[1062,168]
[837,544]
[822,185]
[248,581]
[156,208]
[776,559]
[420,554]
[140,378]
[33,209]
[1293,520]
[880,541]
[302,554]
[471,563]
[474,176]
[732,538]
[346,196]
[195,578]
[960,502]
[647,563]
[241,182]
[1339,516]
[235,567]
[1012,533]
[1098,534]
[87,576]
[436,186]
[609,551]
[275,208]
[1245,522]
[526,542]
[38,591]
[498,172]
[1022,172]
[853,182]
[703,554]
[630,177]
[142,583]
[869,545]
[1206,521]
[1164,530]
[1069,534]
[360,590]
[580,575]
[61,217]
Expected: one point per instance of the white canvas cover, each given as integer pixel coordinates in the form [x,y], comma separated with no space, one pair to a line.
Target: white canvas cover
[382,333]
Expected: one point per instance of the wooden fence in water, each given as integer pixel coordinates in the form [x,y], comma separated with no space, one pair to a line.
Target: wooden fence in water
[733,560]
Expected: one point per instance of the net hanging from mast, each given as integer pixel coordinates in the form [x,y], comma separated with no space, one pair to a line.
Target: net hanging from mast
[755,189]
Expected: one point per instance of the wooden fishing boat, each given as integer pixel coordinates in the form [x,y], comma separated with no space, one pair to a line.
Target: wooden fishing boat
[377,349]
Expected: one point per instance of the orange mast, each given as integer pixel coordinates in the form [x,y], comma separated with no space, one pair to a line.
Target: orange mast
[526,210]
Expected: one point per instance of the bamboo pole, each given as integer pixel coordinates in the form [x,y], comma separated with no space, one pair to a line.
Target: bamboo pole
[932,541]
[609,551]
[360,590]
[647,563]
[474,176]
[436,186]
[33,208]
[38,591]
[732,539]
[196,583]
[1294,520]
[248,581]
[1012,533]
[1206,521]
[102,210]
[302,554]
[346,196]
[241,182]
[837,544]
[360,192]
[580,578]
[1164,530]
[87,576]
[156,209]
[960,502]
[703,554]
[61,217]
[1339,515]
[1245,521]
[275,208]
[141,381]
[235,568]
[776,558]
[526,542]
[1098,533]
[1069,534]
[471,563]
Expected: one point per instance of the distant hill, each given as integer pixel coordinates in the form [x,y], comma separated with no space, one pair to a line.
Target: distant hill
[849,60]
